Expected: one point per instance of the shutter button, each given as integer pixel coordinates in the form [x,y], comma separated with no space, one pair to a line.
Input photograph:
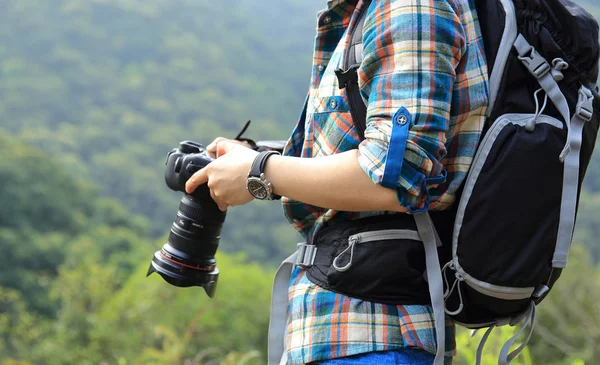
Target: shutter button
[332,103]
[402,119]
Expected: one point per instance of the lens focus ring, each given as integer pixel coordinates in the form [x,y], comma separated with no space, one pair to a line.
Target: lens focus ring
[193,212]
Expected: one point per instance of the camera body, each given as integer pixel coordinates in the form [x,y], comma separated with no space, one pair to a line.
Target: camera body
[187,259]
[182,163]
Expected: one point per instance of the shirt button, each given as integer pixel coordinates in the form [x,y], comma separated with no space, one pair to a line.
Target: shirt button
[332,103]
[320,68]
[327,19]
[402,119]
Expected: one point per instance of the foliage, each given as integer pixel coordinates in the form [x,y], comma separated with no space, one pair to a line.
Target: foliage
[467,347]
[19,329]
[73,291]
[43,208]
[108,87]
[568,321]
[147,321]
[173,348]
[32,186]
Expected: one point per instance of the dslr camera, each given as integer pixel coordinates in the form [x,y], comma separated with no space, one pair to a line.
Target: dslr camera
[188,257]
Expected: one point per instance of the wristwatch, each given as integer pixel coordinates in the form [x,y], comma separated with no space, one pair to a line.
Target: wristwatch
[257,184]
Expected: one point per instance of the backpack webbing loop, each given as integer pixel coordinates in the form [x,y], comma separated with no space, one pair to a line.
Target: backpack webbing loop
[482,344]
[505,357]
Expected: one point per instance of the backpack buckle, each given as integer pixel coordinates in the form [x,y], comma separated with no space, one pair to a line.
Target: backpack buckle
[540,293]
[348,76]
[585,104]
[305,254]
[537,65]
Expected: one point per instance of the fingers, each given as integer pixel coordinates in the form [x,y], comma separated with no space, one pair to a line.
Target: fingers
[212,147]
[217,199]
[224,147]
[199,178]
[196,180]
[221,204]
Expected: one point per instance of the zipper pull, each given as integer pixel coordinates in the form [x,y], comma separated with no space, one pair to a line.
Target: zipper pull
[352,241]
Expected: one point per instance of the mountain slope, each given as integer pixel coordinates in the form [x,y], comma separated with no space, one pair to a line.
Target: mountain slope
[108,87]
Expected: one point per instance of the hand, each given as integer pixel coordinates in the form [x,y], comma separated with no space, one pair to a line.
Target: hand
[212,147]
[226,176]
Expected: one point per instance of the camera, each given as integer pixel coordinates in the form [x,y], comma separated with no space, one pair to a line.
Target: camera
[188,257]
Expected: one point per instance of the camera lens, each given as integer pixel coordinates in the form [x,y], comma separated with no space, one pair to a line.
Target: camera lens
[188,258]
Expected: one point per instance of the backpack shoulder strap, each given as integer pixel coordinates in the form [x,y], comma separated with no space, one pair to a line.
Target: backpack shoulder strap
[353,55]
[348,75]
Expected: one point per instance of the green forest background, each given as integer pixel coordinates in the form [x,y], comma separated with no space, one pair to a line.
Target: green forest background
[93,94]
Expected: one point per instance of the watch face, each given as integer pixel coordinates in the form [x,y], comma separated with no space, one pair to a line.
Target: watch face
[257,188]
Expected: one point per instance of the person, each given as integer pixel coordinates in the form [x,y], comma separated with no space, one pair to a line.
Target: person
[423,64]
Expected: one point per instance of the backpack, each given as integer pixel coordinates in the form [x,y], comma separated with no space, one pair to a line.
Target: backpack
[515,217]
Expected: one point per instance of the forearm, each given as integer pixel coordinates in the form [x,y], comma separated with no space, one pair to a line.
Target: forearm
[336,182]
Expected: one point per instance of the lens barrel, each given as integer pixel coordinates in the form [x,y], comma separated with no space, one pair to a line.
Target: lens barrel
[188,258]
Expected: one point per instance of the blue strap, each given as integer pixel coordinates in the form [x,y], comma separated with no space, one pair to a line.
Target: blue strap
[395,156]
[428,181]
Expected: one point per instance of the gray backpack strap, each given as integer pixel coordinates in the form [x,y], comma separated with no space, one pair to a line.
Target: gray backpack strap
[431,242]
[482,344]
[539,67]
[506,44]
[278,318]
[353,55]
[568,204]
[505,357]
[304,256]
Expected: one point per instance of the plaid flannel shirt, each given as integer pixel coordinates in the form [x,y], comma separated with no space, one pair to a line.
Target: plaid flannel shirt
[423,61]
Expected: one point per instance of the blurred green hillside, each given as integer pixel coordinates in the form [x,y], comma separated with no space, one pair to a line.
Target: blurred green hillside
[93,94]
[107,88]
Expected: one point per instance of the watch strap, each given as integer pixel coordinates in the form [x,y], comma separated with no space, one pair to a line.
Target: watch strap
[258,167]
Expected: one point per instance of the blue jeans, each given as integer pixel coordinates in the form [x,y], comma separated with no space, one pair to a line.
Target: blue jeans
[408,356]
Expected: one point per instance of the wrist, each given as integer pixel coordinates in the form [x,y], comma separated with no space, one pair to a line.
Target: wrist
[257,182]
[270,171]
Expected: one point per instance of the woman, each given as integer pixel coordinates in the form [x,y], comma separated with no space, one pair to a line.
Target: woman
[424,79]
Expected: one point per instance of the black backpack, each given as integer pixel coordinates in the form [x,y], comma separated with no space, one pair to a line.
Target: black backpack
[514,220]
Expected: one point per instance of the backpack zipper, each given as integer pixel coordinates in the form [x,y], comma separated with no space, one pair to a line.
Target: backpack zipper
[387,234]
[492,290]
[363,237]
